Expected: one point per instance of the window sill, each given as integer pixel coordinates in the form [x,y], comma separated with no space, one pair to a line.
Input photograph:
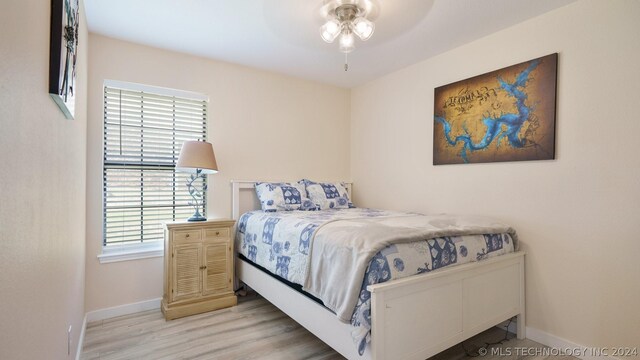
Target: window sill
[131,253]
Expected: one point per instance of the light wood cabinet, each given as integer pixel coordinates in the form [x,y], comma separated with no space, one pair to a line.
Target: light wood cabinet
[198,267]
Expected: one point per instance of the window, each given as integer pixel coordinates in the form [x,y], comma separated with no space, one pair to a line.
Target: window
[144,128]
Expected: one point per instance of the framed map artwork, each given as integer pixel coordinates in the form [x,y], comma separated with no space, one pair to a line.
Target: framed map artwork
[505,115]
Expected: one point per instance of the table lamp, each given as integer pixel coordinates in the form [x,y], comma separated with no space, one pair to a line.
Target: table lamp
[197,158]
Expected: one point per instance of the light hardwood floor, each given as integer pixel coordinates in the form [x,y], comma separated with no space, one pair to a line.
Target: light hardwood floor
[254,329]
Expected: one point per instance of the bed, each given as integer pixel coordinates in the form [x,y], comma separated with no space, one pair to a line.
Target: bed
[413,317]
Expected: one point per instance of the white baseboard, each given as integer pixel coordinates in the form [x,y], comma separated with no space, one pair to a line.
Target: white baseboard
[112,312]
[126,309]
[81,338]
[553,341]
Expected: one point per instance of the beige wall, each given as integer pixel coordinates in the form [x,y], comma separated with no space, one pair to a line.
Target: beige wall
[577,216]
[42,192]
[262,126]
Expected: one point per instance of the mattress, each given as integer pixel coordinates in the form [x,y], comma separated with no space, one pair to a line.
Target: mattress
[282,243]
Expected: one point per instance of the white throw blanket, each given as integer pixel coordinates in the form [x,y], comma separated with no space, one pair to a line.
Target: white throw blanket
[342,249]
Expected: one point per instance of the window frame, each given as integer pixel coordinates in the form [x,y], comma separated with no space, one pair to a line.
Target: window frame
[142,250]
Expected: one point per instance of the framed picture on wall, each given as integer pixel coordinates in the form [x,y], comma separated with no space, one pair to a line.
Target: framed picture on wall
[504,115]
[63,52]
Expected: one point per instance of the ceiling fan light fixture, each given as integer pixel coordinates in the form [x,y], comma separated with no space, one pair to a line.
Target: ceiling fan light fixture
[344,18]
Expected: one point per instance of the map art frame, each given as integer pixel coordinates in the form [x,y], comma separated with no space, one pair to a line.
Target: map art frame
[504,115]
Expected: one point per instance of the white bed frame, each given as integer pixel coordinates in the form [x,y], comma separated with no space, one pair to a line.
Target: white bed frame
[412,318]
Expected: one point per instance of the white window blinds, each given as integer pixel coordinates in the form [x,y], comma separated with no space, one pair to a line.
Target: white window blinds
[143,134]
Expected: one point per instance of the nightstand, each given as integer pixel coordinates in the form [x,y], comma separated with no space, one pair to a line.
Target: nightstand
[198,267]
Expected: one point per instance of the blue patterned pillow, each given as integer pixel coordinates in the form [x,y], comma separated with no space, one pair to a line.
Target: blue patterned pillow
[283,196]
[327,195]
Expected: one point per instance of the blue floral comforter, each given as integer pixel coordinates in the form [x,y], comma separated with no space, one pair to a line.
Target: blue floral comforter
[280,242]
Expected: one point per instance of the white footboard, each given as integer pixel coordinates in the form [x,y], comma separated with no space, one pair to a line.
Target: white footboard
[416,317]
[420,316]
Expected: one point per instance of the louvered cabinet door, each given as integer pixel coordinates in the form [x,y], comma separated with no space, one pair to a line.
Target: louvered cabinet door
[217,274]
[186,271]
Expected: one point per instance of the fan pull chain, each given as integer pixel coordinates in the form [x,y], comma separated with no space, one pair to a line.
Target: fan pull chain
[346,61]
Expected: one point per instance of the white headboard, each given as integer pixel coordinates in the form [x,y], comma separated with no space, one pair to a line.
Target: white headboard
[244,198]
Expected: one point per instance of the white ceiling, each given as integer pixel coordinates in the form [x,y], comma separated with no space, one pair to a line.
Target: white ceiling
[283,35]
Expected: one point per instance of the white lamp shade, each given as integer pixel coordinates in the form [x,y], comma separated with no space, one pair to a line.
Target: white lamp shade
[363,28]
[197,155]
[330,31]
[347,42]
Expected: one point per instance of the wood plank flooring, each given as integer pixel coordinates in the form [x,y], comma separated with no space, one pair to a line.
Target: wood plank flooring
[254,329]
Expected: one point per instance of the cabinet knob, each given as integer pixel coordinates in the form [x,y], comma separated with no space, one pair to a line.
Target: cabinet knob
[202,267]
[217,232]
[186,235]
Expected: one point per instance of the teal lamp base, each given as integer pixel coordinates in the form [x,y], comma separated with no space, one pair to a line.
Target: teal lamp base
[197,217]
[196,194]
